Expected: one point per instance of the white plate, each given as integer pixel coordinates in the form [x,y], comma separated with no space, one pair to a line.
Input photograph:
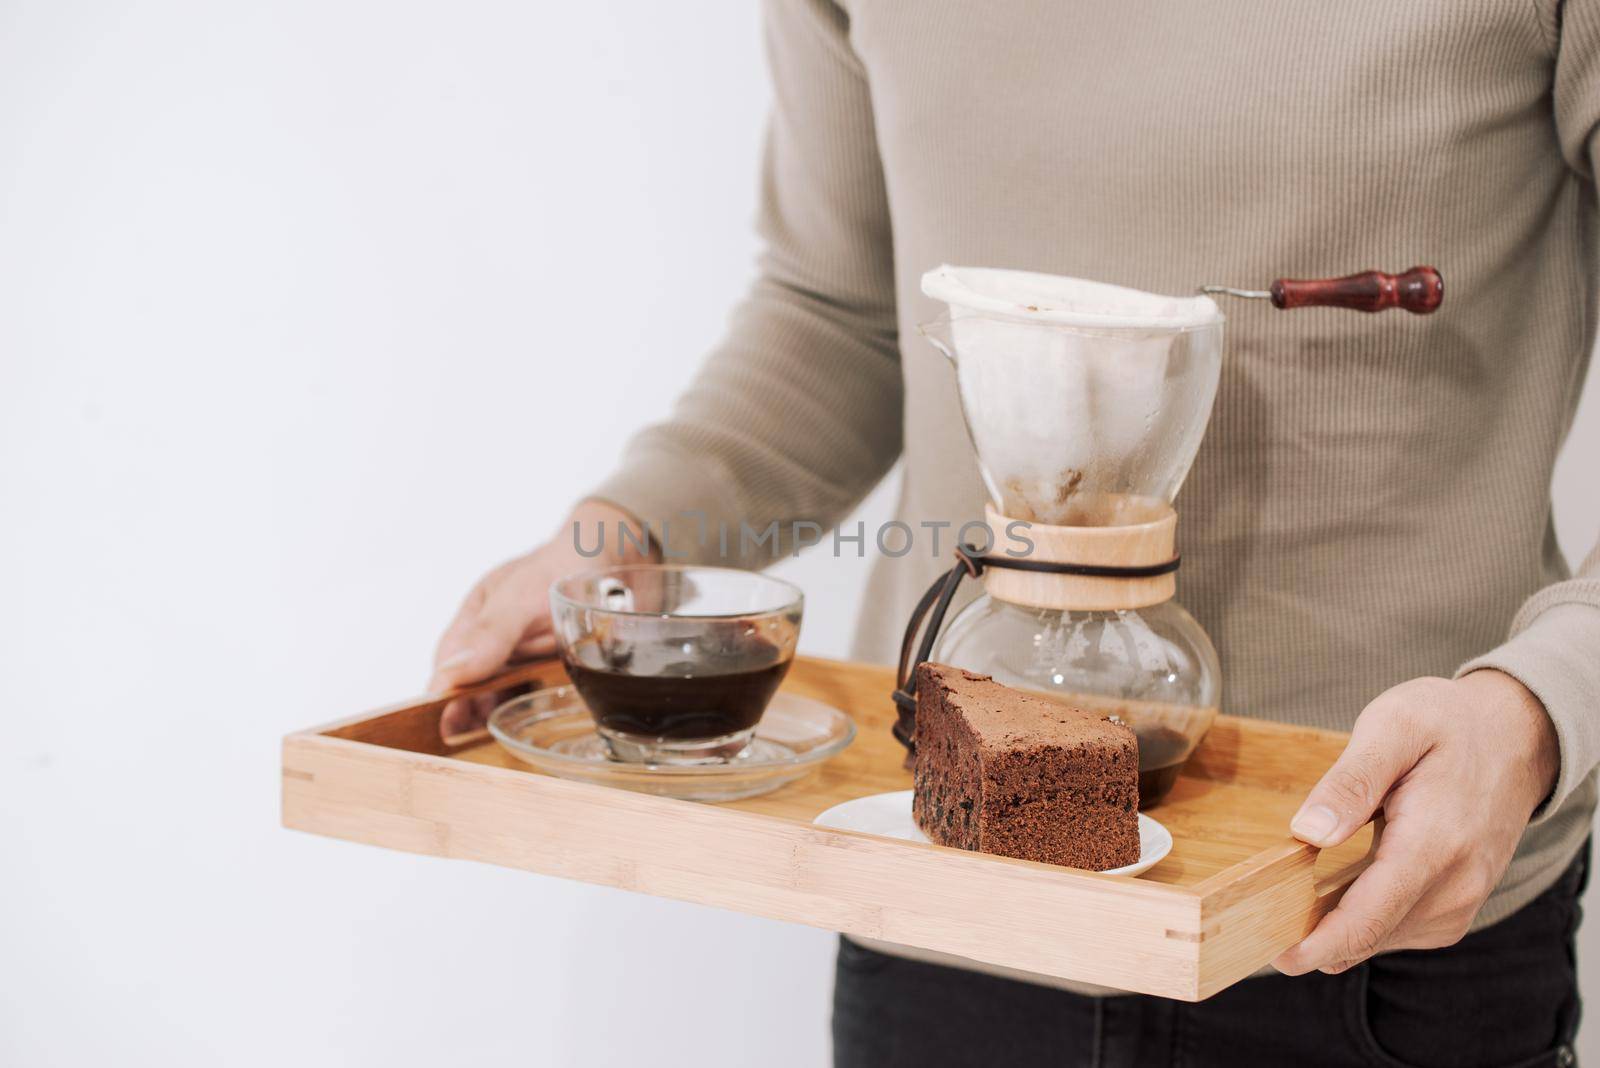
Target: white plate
[889,815]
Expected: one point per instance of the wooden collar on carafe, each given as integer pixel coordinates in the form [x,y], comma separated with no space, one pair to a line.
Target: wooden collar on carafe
[1129,532]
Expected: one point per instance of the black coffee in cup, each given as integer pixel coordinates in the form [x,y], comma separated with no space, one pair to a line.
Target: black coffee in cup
[656,691]
[676,664]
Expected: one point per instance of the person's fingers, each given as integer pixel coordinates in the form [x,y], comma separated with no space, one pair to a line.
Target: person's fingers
[452,642]
[1385,745]
[1445,914]
[535,647]
[1369,913]
[458,717]
[484,650]
[489,626]
[466,714]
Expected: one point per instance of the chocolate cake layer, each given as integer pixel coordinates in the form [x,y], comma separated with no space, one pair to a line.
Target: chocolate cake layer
[1002,771]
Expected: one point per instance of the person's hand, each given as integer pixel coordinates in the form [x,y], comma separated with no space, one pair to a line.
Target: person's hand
[1457,768]
[506,616]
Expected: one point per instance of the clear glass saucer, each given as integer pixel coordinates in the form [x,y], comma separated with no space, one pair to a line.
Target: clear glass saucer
[552,730]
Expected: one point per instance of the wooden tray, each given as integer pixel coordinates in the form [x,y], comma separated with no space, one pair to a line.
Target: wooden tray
[1233,893]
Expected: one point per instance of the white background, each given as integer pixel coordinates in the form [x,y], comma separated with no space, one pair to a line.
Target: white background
[310,312]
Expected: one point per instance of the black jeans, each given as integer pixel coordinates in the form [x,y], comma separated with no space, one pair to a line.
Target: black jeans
[1504,996]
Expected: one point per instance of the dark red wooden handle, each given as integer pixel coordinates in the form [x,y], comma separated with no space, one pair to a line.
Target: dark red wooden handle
[1420,291]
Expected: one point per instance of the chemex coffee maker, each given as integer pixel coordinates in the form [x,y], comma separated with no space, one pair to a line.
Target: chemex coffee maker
[1086,404]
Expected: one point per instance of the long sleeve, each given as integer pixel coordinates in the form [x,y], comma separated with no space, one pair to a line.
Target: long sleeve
[797,414]
[1554,644]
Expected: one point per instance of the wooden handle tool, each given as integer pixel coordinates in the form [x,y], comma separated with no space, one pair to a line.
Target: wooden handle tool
[1419,291]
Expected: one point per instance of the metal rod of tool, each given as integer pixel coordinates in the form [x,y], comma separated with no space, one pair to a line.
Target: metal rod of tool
[1247,294]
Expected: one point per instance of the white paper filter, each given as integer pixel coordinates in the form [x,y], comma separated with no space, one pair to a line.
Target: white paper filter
[1060,377]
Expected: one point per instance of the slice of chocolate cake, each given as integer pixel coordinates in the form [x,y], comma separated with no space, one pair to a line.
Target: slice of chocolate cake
[1003,771]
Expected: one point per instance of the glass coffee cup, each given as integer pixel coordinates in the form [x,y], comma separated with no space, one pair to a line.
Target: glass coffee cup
[676,664]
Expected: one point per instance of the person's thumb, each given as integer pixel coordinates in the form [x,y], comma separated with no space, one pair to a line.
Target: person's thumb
[483,644]
[1381,750]
[470,663]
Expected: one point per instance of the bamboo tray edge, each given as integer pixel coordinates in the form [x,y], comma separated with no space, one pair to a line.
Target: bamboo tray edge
[383,778]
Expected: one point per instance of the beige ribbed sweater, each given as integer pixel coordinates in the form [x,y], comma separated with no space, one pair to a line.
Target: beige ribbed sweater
[1372,500]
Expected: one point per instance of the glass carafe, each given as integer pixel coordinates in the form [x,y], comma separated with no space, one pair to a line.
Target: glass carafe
[1086,404]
